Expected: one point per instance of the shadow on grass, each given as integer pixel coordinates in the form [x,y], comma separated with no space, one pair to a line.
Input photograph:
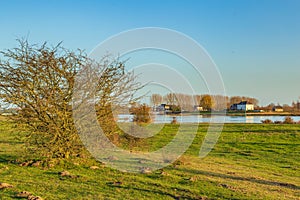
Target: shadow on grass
[152,190]
[250,179]
[7,158]
[265,143]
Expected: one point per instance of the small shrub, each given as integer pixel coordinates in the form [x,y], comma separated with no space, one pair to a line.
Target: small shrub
[141,113]
[288,120]
[174,121]
[277,122]
[267,121]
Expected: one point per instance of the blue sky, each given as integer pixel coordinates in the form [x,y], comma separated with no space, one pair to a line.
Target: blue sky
[255,43]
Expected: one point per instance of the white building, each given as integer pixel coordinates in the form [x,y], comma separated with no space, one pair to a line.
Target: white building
[244,105]
[277,109]
[198,108]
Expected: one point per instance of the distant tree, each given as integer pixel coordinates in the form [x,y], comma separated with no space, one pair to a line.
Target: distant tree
[269,107]
[185,102]
[197,99]
[207,102]
[156,99]
[252,100]
[287,108]
[220,102]
[235,99]
[294,105]
[171,98]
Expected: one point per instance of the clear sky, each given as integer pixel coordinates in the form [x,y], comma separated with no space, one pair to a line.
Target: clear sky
[255,43]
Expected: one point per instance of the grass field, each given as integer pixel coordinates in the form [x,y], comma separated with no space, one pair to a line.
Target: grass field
[250,161]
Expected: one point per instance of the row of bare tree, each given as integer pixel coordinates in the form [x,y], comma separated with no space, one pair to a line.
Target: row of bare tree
[294,107]
[208,102]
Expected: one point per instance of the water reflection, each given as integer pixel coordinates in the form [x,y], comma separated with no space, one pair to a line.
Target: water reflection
[208,118]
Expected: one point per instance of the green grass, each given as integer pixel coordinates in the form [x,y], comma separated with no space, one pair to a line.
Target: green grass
[250,161]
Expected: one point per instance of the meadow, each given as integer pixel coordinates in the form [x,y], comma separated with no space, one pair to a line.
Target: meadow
[250,161]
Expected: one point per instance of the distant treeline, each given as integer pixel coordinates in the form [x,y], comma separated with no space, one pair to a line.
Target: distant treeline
[208,102]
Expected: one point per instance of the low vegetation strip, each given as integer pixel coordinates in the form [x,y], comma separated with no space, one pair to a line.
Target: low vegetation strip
[250,161]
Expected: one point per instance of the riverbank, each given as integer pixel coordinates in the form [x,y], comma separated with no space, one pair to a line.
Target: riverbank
[263,114]
[241,113]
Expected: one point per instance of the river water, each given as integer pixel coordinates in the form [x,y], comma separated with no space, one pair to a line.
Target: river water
[208,118]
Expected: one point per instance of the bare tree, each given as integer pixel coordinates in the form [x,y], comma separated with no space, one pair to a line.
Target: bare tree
[39,80]
[235,100]
[185,101]
[171,98]
[220,102]
[156,99]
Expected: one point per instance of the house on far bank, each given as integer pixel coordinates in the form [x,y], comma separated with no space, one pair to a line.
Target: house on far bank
[198,108]
[243,105]
[164,108]
[168,109]
[277,109]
